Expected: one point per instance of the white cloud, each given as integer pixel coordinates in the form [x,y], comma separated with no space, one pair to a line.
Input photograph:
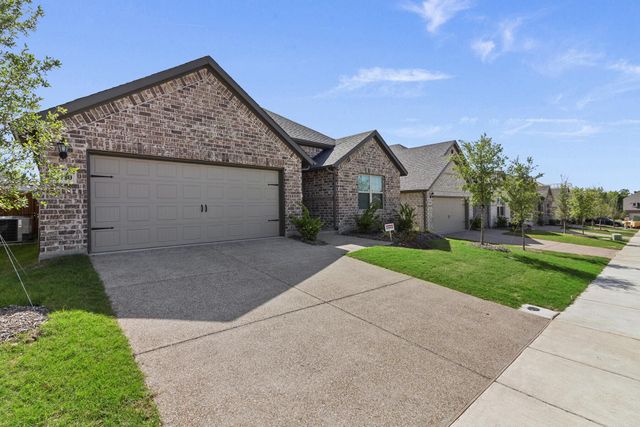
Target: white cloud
[569,59]
[378,75]
[503,40]
[437,12]
[466,120]
[508,33]
[483,48]
[418,132]
[553,128]
[625,67]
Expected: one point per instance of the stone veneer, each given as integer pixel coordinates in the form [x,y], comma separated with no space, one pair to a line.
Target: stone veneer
[192,117]
[368,159]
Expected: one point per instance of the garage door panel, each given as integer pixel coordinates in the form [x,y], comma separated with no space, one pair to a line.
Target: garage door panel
[140,236]
[105,214]
[167,234]
[448,214]
[106,190]
[138,168]
[166,191]
[150,203]
[138,213]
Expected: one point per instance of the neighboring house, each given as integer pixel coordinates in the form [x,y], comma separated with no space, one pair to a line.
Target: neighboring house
[555,194]
[186,156]
[631,204]
[545,205]
[348,174]
[433,188]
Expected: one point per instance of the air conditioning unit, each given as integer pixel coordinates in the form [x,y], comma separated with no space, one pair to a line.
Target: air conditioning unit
[13,228]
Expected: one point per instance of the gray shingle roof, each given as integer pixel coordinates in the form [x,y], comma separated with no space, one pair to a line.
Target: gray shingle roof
[543,190]
[299,132]
[424,164]
[343,146]
[334,149]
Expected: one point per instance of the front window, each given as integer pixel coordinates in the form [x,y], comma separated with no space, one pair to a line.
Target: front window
[369,190]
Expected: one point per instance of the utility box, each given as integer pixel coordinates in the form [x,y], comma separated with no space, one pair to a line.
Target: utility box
[616,236]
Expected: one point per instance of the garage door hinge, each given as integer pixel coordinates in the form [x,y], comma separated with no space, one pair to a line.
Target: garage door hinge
[101,228]
[101,176]
[273,220]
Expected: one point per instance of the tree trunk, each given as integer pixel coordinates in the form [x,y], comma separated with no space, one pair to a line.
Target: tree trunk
[583,226]
[564,226]
[523,236]
[482,213]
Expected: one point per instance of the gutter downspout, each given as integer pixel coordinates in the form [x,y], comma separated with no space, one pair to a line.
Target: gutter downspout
[335,199]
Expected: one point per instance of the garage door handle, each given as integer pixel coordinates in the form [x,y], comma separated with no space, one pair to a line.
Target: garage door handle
[205,207]
[273,220]
[201,208]
[101,228]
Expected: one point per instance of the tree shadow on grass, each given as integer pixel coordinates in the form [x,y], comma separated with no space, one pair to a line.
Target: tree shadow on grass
[539,264]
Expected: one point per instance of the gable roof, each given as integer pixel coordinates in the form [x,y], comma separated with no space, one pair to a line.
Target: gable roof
[545,191]
[301,133]
[425,164]
[108,95]
[335,150]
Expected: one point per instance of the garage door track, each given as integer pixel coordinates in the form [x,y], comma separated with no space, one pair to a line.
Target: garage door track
[275,331]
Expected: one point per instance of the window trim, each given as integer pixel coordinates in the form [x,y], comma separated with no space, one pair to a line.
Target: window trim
[370,192]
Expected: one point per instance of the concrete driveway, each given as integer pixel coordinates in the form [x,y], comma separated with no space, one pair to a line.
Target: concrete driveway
[275,331]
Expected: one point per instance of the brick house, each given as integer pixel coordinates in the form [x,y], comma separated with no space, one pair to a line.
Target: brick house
[348,174]
[186,156]
[433,188]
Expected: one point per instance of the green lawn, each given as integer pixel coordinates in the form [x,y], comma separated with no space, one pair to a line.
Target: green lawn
[80,370]
[547,279]
[603,241]
[628,232]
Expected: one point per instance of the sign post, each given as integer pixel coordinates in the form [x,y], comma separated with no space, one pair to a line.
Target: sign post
[390,228]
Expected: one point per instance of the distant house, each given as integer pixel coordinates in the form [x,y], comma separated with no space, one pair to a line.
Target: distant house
[631,204]
[545,205]
[433,188]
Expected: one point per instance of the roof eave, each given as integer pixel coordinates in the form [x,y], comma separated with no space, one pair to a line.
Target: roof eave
[91,101]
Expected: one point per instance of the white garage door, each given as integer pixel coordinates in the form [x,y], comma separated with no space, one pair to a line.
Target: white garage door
[448,214]
[138,203]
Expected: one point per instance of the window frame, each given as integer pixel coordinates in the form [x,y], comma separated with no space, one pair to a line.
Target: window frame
[370,192]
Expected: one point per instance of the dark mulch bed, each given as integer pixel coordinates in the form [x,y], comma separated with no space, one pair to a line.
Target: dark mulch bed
[406,239]
[15,320]
[316,242]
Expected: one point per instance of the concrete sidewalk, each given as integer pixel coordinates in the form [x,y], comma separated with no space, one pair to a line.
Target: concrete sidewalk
[584,369]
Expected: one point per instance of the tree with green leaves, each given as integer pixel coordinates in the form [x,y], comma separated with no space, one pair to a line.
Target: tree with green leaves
[600,205]
[520,191]
[26,137]
[480,165]
[582,204]
[563,209]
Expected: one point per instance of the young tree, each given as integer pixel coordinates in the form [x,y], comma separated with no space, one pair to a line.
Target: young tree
[564,208]
[582,201]
[480,165]
[520,191]
[600,205]
[26,137]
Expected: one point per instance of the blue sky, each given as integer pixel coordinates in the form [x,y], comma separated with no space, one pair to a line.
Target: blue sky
[556,80]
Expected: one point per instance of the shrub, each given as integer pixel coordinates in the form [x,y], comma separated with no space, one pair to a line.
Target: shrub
[369,220]
[540,220]
[501,222]
[406,217]
[475,223]
[307,225]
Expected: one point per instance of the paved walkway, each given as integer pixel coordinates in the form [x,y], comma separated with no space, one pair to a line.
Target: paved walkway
[584,369]
[497,236]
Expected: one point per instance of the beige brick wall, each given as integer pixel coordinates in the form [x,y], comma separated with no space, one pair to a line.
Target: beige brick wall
[416,200]
[317,194]
[193,117]
[369,159]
